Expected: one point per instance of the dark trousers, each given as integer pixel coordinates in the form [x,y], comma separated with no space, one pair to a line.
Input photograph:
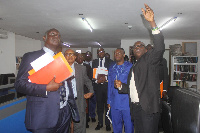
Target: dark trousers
[92,106]
[143,122]
[62,125]
[101,98]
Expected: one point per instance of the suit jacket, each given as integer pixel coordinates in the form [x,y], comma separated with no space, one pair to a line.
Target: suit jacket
[89,74]
[42,111]
[81,80]
[147,78]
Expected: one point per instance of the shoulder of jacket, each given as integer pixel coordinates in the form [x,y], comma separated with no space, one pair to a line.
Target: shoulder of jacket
[34,52]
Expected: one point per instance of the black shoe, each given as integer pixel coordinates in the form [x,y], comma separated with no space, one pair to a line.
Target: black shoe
[93,120]
[98,127]
[87,126]
[108,128]
[88,120]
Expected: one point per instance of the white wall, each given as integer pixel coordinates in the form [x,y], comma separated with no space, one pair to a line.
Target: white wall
[7,54]
[25,44]
[15,45]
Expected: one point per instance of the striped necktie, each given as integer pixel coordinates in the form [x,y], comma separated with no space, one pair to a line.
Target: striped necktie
[63,94]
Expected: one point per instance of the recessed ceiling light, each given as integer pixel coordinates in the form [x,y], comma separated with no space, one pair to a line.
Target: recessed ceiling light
[37,32]
[80,14]
[126,23]
[180,13]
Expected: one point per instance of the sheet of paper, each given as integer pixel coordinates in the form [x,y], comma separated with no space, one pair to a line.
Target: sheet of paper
[41,61]
[107,114]
[100,70]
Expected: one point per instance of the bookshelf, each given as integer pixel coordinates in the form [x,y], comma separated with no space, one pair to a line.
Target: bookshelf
[184,71]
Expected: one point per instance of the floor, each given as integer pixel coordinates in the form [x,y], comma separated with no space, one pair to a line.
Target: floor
[92,126]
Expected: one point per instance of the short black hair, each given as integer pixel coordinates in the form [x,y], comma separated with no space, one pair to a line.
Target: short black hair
[121,50]
[100,49]
[48,32]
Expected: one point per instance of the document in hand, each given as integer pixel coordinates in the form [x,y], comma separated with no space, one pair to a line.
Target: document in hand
[108,114]
[59,68]
[99,70]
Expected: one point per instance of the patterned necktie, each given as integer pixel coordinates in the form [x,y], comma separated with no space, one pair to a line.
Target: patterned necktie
[62,94]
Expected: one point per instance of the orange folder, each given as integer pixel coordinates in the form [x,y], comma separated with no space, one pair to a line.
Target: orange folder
[94,72]
[161,88]
[59,68]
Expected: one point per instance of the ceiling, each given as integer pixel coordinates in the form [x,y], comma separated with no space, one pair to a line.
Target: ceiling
[31,18]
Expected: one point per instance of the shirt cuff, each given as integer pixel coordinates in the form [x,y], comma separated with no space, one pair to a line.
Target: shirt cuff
[120,88]
[154,32]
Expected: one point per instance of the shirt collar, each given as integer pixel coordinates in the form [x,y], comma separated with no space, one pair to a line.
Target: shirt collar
[72,66]
[47,50]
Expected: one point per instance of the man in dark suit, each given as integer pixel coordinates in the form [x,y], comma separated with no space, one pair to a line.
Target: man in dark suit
[143,81]
[44,111]
[78,83]
[101,87]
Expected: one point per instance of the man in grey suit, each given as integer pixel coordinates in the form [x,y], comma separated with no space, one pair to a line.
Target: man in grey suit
[81,79]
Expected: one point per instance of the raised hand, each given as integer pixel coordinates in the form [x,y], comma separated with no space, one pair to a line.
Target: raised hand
[148,13]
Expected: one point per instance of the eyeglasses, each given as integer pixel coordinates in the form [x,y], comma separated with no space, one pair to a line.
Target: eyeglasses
[69,54]
[100,52]
[138,46]
[118,53]
[54,34]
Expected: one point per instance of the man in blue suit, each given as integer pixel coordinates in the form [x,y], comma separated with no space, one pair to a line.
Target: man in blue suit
[44,111]
[119,103]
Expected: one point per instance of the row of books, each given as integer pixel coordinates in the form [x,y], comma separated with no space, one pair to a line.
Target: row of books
[185,68]
[187,59]
[185,76]
[182,84]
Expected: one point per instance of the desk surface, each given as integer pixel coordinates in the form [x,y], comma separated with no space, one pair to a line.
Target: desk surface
[7,86]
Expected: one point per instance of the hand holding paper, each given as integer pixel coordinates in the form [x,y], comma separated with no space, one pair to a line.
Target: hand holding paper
[99,70]
[52,85]
[108,115]
[101,78]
